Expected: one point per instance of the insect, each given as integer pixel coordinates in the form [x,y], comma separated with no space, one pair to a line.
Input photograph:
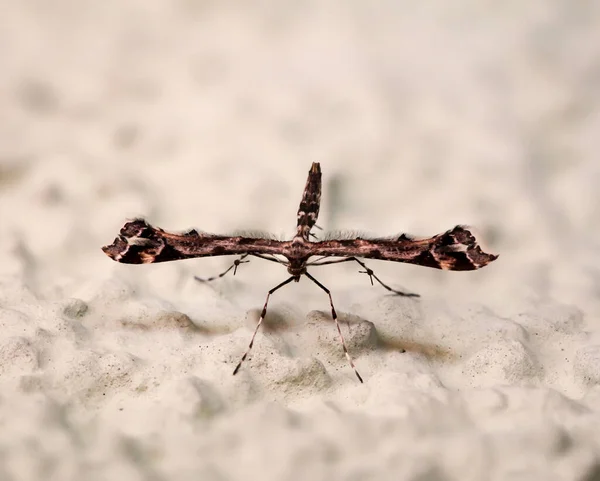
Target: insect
[457,250]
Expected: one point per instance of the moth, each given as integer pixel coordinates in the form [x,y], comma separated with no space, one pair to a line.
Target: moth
[457,249]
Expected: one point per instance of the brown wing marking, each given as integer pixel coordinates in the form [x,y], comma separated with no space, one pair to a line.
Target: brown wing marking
[455,250]
[140,243]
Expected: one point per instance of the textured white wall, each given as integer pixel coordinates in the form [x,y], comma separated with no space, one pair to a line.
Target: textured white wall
[208,114]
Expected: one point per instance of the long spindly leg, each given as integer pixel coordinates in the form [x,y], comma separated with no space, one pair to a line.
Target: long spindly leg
[337,324]
[367,271]
[233,266]
[270,257]
[260,320]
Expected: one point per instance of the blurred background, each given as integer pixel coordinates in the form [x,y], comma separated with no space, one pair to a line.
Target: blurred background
[206,114]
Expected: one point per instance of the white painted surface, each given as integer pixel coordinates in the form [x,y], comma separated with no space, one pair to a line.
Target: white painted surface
[208,115]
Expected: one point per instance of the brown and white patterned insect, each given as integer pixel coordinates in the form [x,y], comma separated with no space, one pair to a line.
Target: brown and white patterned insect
[455,250]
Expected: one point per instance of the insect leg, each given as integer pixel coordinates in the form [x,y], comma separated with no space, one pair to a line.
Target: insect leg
[270,257]
[372,276]
[367,271]
[262,316]
[233,266]
[337,324]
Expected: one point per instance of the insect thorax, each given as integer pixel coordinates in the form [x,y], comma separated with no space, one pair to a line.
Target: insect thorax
[297,267]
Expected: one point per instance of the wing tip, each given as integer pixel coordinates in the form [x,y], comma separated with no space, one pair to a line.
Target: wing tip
[459,250]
